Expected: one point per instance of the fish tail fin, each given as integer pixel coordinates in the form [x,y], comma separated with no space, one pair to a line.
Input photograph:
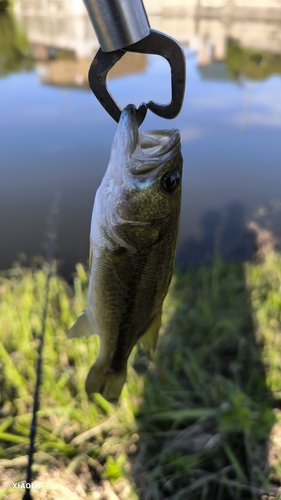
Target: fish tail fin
[82,327]
[109,384]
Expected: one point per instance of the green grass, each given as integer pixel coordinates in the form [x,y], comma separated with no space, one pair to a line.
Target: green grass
[193,423]
[70,426]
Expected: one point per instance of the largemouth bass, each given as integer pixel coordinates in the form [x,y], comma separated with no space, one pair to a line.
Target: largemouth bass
[133,239]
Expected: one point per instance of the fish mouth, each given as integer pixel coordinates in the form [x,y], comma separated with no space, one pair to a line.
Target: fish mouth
[155,148]
[159,143]
[144,151]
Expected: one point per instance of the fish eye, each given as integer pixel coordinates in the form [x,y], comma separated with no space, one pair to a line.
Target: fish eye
[170,181]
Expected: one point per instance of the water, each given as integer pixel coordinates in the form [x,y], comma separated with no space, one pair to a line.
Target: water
[56,137]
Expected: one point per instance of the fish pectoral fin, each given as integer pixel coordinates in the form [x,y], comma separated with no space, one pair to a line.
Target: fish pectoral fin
[82,327]
[150,336]
[109,384]
[121,265]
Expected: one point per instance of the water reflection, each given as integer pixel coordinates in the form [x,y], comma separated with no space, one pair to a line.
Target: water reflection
[74,73]
[14,45]
[251,63]
[230,124]
[246,37]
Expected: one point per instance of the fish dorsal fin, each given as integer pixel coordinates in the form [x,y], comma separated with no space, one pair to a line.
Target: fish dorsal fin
[150,336]
[82,327]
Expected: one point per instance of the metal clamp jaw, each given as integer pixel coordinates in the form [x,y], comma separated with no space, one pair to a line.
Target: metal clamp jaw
[155,43]
[121,26]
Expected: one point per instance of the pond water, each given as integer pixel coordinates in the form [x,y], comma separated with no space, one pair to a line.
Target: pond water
[56,137]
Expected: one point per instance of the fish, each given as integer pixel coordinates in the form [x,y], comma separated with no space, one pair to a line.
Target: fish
[133,238]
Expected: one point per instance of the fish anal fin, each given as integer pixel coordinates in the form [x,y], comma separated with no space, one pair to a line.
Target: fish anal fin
[109,384]
[82,327]
[150,336]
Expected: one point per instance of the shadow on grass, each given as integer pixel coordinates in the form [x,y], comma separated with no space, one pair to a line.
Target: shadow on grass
[207,411]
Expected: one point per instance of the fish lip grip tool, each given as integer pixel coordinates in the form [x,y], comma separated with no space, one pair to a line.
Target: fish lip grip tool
[122,26]
[155,43]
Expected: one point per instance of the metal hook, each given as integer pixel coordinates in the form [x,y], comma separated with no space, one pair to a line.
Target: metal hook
[155,43]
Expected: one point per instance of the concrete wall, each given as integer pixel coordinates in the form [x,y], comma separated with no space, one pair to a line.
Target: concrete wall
[203,24]
[154,7]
